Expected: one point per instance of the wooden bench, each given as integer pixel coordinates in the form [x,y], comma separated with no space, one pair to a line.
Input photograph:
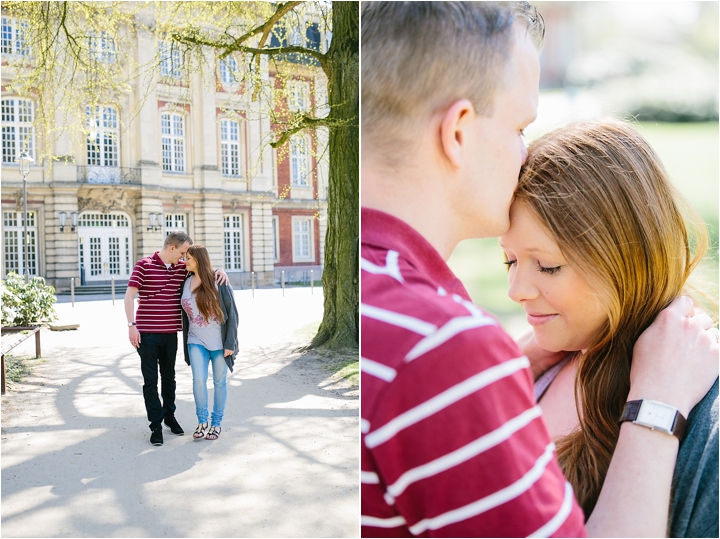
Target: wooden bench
[11,337]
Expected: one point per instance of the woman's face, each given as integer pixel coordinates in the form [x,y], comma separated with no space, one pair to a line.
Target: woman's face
[190,263]
[564,311]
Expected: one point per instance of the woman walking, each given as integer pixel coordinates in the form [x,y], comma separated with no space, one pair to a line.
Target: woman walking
[210,322]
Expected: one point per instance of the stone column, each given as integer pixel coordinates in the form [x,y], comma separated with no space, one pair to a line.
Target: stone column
[209,227]
[62,258]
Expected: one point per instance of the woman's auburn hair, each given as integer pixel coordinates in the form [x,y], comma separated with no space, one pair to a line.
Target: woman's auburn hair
[206,295]
[605,197]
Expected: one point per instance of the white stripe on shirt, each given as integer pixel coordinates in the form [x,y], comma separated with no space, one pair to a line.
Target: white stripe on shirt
[489,502]
[377,369]
[393,522]
[390,268]
[448,331]
[397,319]
[369,478]
[560,517]
[465,453]
[444,399]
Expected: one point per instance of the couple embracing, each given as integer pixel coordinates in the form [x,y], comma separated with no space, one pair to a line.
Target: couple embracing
[177,291]
[604,419]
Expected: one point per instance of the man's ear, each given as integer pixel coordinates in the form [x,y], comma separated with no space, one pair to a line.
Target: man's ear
[453,130]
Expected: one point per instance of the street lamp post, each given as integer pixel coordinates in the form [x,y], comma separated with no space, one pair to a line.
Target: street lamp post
[24,161]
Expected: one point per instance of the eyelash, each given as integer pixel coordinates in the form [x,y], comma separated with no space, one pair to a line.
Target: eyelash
[541,269]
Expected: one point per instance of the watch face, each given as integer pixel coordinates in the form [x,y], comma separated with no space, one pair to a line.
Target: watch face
[657,415]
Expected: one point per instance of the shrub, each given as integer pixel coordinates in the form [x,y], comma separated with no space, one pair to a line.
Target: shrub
[27,304]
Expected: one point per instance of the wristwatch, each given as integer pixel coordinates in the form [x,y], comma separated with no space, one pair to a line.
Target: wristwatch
[130,324]
[655,416]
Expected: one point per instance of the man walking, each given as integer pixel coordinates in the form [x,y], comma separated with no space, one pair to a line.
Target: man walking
[157,281]
[453,442]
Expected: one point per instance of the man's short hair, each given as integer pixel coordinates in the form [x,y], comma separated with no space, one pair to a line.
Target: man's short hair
[177,238]
[419,57]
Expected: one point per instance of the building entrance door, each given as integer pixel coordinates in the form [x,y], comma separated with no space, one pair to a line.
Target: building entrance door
[105,245]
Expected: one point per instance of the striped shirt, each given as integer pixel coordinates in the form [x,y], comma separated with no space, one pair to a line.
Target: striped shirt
[159,290]
[453,443]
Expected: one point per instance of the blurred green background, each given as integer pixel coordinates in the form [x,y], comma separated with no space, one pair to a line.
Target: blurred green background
[655,63]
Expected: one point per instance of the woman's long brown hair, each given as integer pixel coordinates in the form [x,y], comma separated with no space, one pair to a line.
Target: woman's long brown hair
[606,199]
[206,295]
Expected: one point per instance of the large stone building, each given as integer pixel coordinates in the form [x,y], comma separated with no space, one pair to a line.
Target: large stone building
[184,154]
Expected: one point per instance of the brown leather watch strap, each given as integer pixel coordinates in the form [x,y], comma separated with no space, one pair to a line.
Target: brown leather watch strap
[632,409]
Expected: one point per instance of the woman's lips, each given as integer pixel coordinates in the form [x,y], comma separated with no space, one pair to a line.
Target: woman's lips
[539,319]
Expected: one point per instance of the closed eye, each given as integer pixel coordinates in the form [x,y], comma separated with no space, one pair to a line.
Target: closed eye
[549,271]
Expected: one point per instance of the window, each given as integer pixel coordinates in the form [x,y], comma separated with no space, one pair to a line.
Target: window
[171,64]
[298,95]
[173,142]
[103,135]
[228,70]
[174,222]
[230,147]
[303,239]
[13,37]
[101,47]
[299,162]
[276,238]
[14,246]
[18,133]
[233,242]
[296,36]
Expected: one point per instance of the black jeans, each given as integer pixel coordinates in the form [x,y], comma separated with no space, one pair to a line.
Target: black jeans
[158,349]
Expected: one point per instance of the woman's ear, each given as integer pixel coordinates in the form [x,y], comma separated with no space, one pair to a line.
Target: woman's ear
[454,130]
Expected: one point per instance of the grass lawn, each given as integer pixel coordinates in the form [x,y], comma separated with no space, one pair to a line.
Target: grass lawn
[690,155]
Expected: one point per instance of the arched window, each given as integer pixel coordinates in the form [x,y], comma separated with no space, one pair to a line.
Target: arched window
[13,244]
[233,225]
[103,136]
[228,70]
[299,162]
[173,141]
[18,133]
[230,147]
[13,37]
[171,61]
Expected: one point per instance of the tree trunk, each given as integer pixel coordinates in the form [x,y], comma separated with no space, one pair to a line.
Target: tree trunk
[339,327]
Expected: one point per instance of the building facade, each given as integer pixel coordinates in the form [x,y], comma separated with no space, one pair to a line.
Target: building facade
[185,155]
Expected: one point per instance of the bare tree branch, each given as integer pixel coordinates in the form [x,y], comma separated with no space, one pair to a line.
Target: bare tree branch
[306,122]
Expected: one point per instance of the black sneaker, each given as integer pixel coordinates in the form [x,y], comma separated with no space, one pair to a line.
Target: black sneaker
[174,425]
[156,438]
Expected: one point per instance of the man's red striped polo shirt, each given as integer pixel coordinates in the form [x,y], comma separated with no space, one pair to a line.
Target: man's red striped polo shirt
[159,289]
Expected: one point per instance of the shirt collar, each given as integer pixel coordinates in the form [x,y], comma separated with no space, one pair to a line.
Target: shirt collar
[380,229]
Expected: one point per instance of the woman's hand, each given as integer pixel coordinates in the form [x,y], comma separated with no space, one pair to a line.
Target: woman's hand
[675,360]
[228,353]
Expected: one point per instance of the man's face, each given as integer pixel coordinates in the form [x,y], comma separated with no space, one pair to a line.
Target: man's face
[176,253]
[493,172]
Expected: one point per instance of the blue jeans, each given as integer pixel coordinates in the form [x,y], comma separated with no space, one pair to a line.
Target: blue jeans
[200,357]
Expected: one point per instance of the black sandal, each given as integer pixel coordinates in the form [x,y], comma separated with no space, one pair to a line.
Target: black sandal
[213,433]
[200,431]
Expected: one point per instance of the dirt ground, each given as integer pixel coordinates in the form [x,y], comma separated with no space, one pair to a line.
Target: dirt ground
[76,457]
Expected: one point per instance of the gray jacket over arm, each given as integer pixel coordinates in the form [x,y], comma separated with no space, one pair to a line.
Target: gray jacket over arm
[228,328]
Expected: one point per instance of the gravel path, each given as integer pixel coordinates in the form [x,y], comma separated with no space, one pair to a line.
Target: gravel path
[76,457]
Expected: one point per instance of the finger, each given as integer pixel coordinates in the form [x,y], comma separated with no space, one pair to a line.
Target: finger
[704,320]
[715,333]
[683,305]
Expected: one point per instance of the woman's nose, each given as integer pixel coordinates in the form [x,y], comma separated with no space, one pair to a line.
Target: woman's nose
[521,286]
